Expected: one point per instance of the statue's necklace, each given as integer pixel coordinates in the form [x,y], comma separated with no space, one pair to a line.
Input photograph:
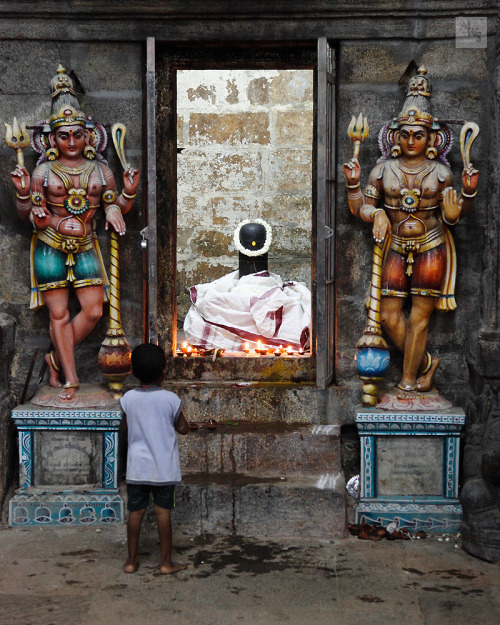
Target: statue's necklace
[76,203]
[412,170]
[409,199]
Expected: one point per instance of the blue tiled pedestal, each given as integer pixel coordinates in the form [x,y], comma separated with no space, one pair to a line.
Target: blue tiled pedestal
[409,468]
[68,466]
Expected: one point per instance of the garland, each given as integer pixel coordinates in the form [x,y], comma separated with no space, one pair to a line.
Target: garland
[244,250]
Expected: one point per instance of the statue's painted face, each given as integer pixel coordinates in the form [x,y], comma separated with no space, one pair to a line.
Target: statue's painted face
[70,140]
[413,140]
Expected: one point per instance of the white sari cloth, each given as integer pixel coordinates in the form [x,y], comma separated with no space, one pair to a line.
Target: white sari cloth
[230,311]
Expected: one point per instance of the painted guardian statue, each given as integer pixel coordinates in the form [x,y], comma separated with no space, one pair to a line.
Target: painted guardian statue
[69,184]
[411,202]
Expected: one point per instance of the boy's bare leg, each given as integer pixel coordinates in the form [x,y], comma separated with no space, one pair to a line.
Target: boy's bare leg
[165,534]
[133,532]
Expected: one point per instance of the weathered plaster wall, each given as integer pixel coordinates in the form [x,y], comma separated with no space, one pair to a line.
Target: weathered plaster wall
[110,90]
[247,139]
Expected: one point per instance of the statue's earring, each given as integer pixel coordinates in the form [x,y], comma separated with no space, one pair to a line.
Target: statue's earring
[89,152]
[52,154]
[396,151]
[431,153]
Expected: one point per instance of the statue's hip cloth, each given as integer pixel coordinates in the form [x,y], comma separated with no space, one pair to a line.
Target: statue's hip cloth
[59,261]
[415,265]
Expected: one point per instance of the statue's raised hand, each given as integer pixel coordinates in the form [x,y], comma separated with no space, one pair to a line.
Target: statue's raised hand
[470,177]
[131,179]
[451,206]
[21,179]
[352,171]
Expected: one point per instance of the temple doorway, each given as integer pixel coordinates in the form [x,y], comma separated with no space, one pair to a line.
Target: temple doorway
[216,167]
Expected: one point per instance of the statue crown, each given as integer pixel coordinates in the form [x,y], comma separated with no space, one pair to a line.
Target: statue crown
[414,117]
[67,116]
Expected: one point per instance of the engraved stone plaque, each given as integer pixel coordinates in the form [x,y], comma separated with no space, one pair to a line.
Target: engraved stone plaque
[409,465]
[68,457]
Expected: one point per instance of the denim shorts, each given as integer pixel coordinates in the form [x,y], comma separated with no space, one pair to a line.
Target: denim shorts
[138,496]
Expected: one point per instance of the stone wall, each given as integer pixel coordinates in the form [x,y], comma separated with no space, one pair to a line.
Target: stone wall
[103,43]
[247,139]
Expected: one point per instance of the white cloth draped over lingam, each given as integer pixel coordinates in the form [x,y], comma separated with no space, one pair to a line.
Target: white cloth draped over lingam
[229,311]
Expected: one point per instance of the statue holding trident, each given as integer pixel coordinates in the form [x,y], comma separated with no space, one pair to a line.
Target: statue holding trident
[69,184]
[411,202]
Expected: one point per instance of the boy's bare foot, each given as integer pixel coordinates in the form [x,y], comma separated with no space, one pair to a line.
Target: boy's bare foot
[130,567]
[171,567]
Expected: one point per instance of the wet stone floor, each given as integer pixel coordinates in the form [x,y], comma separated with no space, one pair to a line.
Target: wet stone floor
[52,576]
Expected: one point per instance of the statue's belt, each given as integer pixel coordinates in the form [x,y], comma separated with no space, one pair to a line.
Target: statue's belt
[65,243]
[418,245]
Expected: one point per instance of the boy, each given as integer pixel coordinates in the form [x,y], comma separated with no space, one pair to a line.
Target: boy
[152,417]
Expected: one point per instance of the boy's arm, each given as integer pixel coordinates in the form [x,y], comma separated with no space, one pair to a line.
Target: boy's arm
[182,425]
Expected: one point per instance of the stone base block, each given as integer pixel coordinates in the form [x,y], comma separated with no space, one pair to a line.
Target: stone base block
[431,516]
[312,507]
[409,468]
[64,509]
[287,402]
[270,450]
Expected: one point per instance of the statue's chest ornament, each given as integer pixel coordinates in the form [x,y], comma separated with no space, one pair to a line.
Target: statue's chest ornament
[409,200]
[76,202]
[410,195]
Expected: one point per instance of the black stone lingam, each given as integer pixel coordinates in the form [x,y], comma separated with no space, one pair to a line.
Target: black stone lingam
[253,238]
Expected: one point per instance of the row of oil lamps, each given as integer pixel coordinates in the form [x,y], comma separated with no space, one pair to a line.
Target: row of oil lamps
[260,349]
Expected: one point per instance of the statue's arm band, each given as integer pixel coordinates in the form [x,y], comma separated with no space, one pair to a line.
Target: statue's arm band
[109,196]
[373,192]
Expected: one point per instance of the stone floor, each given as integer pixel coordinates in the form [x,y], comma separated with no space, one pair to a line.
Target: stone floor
[53,576]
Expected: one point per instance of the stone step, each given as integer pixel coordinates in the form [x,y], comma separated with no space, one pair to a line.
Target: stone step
[262,449]
[312,506]
[252,401]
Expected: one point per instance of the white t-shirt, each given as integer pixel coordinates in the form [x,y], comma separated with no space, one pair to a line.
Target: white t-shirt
[153,455]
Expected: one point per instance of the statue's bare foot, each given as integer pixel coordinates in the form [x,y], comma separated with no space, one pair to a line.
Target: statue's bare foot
[54,369]
[426,381]
[171,567]
[406,391]
[69,391]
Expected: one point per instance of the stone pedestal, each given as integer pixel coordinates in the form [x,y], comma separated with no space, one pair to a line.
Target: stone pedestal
[68,466]
[409,468]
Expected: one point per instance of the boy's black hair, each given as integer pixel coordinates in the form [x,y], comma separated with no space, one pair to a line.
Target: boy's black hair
[148,362]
